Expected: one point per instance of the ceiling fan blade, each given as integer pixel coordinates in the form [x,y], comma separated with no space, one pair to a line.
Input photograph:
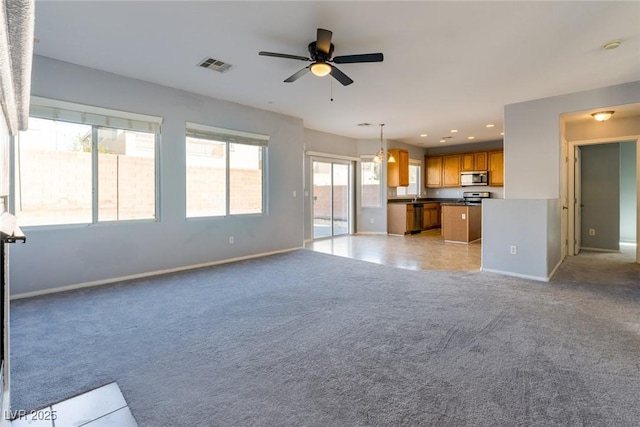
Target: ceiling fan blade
[297,75]
[323,42]
[284,55]
[340,76]
[365,57]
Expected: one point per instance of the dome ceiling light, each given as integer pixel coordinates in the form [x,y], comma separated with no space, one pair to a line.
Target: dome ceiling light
[602,116]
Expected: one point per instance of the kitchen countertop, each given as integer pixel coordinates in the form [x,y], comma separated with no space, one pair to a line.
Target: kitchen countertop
[423,200]
[460,204]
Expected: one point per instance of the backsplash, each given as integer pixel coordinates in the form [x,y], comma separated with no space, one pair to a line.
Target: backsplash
[447,193]
[456,192]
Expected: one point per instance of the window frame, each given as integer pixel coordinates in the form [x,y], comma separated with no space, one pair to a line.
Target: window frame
[370,159]
[96,117]
[229,137]
[417,163]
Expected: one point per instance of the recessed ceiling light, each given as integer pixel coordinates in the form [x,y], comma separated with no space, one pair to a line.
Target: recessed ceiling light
[490,125]
[423,135]
[471,137]
[612,44]
[443,140]
[454,130]
[502,133]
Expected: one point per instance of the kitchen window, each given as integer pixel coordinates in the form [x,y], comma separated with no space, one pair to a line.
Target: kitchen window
[370,183]
[415,166]
[82,165]
[225,172]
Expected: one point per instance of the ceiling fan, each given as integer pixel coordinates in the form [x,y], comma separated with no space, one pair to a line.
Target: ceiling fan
[321,52]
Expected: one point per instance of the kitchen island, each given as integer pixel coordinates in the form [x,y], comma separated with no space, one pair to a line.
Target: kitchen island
[461,223]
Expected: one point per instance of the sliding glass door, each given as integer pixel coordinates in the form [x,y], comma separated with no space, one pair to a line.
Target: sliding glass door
[331,197]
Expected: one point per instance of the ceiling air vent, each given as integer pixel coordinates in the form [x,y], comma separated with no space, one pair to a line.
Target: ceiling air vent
[216,65]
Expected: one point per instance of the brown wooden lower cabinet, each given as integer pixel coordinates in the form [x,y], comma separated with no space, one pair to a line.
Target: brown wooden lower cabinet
[430,216]
[399,218]
[461,223]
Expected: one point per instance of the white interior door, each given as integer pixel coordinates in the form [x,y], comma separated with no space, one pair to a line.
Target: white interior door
[578,202]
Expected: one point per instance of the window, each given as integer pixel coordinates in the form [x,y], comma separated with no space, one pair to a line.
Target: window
[370,184]
[225,172]
[415,166]
[82,165]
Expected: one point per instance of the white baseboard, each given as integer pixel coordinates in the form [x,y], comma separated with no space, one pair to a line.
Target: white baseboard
[586,248]
[143,275]
[6,400]
[373,232]
[522,276]
[554,270]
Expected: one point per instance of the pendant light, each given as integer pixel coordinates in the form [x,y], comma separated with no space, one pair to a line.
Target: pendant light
[381,154]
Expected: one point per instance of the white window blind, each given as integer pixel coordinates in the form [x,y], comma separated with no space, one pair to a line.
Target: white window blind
[195,130]
[51,109]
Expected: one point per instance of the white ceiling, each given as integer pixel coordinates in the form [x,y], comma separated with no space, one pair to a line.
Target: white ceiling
[447,65]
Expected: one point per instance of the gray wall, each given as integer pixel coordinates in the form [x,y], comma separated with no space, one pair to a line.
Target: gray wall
[503,226]
[533,163]
[61,256]
[600,192]
[628,192]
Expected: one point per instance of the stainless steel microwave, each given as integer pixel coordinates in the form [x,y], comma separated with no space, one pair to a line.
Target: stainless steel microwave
[468,179]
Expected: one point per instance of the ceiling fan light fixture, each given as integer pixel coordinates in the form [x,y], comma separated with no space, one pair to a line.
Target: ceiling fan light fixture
[320,69]
[602,116]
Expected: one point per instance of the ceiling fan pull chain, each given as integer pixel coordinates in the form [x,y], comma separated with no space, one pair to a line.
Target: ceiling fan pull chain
[331,83]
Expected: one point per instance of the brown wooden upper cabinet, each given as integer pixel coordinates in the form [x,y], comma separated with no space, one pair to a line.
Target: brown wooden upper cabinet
[471,162]
[433,171]
[398,171]
[496,168]
[444,171]
[451,170]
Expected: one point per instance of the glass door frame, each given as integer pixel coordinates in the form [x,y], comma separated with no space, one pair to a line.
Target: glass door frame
[350,195]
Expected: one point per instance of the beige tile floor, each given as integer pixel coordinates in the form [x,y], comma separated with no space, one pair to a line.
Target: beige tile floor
[102,407]
[424,251]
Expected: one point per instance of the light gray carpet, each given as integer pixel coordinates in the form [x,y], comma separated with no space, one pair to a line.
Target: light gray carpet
[310,339]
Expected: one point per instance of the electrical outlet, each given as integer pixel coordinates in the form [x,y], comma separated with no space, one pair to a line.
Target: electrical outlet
[231,239]
[295,193]
[371,220]
[592,232]
[464,216]
[514,250]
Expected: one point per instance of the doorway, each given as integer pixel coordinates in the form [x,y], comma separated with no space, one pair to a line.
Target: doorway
[576,223]
[331,196]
